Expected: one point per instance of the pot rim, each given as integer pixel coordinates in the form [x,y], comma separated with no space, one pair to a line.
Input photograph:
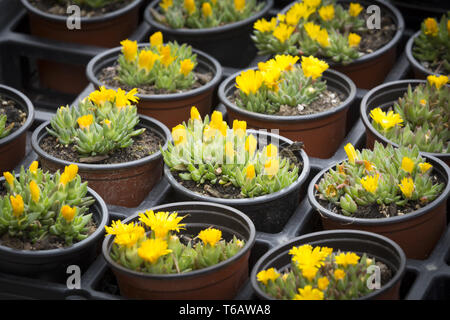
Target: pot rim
[246,201]
[398,20]
[204,31]
[204,57]
[26,103]
[316,236]
[288,119]
[35,139]
[107,243]
[86,20]
[364,110]
[104,217]
[444,170]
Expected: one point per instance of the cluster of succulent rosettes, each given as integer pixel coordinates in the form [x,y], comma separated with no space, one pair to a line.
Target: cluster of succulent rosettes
[421,117]
[313,27]
[103,122]
[195,14]
[95,4]
[382,177]
[166,67]
[5,129]
[39,204]
[318,273]
[209,151]
[280,81]
[432,46]
[152,245]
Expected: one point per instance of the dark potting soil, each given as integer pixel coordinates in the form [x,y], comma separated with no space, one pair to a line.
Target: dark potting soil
[60,7]
[144,145]
[110,77]
[15,115]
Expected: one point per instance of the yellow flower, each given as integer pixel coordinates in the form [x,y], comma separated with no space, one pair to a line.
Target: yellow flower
[229,149]
[189,5]
[306,255]
[250,145]
[186,66]
[179,134]
[281,17]
[282,32]
[322,38]
[129,49]
[100,97]
[161,222]
[407,164]
[313,67]
[107,122]
[323,283]
[68,213]
[249,81]
[309,272]
[271,151]
[353,39]
[312,3]
[156,39]
[210,236]
[206,9]
[167,57]
[216,119]
[17,205]
[130,235]
[437,81]
[124,99]
[195,115]
[9,178]
[35,191]
[423,102]
[165,4]
[308,293]
[250,172]
[298,11]
[354,9]
[351,153]
[239,5]
[147,60]
[448,27]
[85,121]
[339,274]
[370,183]
[369,166]
[239,128]
[424,167]
[407,187]
[346,259]
[312,30]
[117,227]
[152,249]
[271,167]
[272,78]
[265,275]
[386,121]
[285,62]
[327,12]
[262,25]
[33,167]
[431,27]
[70,172]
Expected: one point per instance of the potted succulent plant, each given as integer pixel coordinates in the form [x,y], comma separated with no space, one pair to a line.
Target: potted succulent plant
[428,49]
[170,78]
[331,265]
[339,33]
[305,102]
[116,149]
[16,117]
[208,161]
[187,250]
[408,113]
[48,222]
[395,192]
[215,27]
[102,23]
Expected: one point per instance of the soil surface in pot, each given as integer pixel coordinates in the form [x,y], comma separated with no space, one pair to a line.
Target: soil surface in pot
[228,191]
[144,145]
[110,77]
[15,116]
[57,8]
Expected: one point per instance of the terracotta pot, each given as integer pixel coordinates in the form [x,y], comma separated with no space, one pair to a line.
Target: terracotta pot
[102,31]
[12,147]
[171,109]
[416,232]
[51,265]
[384,96]
[221,281]
[360,242]
[220,42]
[270,212]
[371,69]
[123,184]
[322,133]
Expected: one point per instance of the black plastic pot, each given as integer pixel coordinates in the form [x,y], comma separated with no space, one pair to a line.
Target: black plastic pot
[384,96]
[269,213]
[230,44]
[221,281]
[322,133]
[416,232]
[360,242]
[125,184]
[51,265]
[173,108]
[12,147]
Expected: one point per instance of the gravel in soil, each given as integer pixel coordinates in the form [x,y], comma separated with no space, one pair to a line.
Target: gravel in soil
[14,113]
